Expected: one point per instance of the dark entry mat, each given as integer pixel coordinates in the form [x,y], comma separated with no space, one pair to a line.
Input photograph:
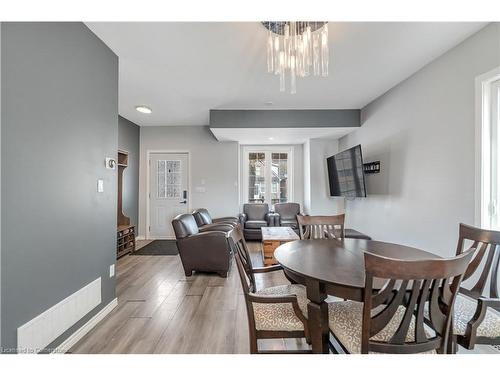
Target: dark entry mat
[159,247]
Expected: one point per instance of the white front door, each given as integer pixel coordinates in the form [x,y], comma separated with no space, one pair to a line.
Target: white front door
[168,182]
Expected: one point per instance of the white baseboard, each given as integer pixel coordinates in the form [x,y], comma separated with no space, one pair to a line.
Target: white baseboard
[83,330]
[140,238]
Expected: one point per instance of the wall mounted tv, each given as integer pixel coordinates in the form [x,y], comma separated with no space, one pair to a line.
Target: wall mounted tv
[345,173]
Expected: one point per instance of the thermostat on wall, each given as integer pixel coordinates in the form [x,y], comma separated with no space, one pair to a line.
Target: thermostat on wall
[110,163]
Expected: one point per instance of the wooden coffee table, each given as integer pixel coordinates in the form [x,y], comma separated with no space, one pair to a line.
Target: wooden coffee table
[272,237]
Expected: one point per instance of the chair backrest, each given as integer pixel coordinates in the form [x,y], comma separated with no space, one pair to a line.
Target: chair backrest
[408,286]
[202,217]
[287,211]
[256,211]
[314,227]
[184,226]
[486,260]
[243,260]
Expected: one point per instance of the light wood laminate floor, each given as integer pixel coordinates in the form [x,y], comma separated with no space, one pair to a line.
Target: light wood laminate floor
[160,310]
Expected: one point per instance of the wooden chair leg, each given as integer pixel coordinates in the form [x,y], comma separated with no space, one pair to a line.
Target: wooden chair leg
[254,347]
[451,347]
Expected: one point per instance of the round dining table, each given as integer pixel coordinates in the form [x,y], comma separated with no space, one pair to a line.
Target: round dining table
[334,267]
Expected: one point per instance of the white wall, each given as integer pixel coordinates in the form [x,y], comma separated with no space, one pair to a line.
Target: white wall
[317,199]
[212,161]
[422,131]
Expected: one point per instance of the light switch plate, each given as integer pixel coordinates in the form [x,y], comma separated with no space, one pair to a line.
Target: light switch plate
[100,186]
[112,270]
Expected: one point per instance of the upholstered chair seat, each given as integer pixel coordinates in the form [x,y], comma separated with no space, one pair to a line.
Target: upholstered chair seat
[345,322]
[289,223]
[280,316]
[464,311]
[255,224]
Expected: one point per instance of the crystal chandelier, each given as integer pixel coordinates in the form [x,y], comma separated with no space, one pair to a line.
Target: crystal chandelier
[298,48]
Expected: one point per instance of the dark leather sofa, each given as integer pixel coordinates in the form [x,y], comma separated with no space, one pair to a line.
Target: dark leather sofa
[207,251]
[254,217]
[204,220]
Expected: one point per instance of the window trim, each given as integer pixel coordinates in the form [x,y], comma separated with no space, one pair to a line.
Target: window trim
[245,150]
[483,84]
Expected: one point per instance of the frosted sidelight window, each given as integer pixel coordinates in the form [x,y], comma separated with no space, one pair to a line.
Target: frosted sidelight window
[169,179]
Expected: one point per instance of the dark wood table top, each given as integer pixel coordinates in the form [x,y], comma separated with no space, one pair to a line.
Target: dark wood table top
[339,263]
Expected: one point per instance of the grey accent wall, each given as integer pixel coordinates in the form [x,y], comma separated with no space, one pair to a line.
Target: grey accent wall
[59,122]
[286,118]
[422,131]
[212,161]
[129,140]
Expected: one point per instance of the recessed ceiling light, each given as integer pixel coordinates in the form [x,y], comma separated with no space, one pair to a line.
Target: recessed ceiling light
[271,138]
[143,109]
[268,103]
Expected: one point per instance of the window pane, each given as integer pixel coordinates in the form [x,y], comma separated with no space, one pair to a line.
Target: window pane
[256,177]
[169,178]
[279,175]
[160,175]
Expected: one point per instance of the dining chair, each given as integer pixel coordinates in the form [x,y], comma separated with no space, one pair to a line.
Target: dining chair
[477,311]
[321,227]
[391,318]
[274,312]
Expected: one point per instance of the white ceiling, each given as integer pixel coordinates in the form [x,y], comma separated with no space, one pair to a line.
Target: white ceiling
[182,70]
[277,136]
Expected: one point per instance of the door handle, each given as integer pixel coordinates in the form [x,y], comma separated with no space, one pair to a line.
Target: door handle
[184,201]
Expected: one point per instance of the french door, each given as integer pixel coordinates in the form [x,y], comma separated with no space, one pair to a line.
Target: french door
[267,175]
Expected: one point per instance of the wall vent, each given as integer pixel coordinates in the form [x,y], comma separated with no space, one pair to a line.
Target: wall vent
[36,334]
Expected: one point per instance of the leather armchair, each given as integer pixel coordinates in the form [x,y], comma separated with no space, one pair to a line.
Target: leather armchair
[286,215]
[207,251]
[205,221]
[254,217]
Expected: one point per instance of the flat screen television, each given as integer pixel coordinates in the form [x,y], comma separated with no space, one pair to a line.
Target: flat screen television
[346,174]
